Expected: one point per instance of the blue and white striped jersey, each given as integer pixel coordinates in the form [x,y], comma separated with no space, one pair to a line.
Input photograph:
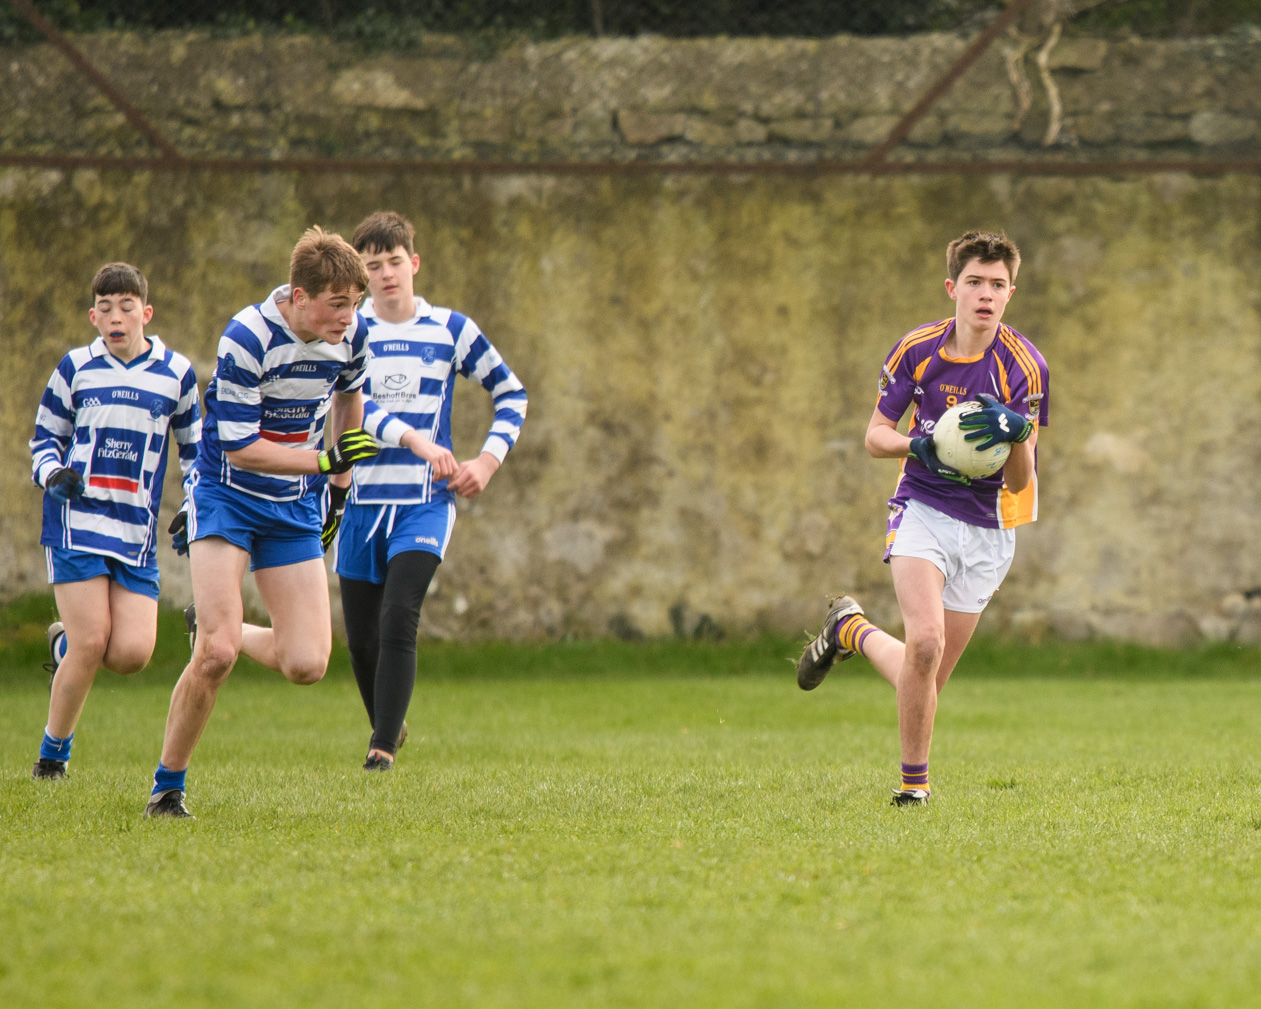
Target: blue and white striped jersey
[110,421]
[270,384]
[410,382]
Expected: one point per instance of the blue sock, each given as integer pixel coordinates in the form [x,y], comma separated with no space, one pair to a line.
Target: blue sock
[59,648]
[165,779]
[53,748]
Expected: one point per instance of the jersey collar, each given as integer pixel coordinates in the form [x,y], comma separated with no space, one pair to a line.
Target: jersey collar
[270,310]
[423,310]
[157,349]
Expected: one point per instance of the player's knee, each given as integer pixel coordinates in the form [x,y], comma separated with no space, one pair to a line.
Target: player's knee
[126,655]
[215,658]
[924,648]
[127,661]
[90,643]
[305,672]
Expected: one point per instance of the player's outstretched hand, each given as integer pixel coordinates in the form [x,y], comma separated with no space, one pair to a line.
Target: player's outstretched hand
[473,476]
[65,484]
[179,532]
[925,451]
[336,509]
[995,423]
[352,447]
[440,459]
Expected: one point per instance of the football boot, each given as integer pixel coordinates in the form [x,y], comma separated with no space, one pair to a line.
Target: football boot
[55,630]
[190,622]
[52,770]
[821,651]
[169,803]
[379,762]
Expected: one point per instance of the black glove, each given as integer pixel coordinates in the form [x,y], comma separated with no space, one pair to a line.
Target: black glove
[925,451]
[179,532]
[65,484]
[336,508]
[996,423]
[352,447]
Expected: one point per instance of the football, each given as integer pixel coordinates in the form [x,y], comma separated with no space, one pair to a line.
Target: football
[963,455]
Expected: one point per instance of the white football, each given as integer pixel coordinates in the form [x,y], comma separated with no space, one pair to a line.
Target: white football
[964,455]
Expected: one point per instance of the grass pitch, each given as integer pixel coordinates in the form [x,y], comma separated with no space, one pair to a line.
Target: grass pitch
[654,825]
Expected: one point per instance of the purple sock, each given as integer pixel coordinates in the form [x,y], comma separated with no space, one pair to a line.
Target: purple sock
[914,775]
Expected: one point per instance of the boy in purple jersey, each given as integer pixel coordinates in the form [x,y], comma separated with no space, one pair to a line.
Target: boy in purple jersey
[950,539]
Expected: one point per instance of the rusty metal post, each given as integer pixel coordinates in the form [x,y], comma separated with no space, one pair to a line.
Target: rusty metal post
[956,70]
[85,67]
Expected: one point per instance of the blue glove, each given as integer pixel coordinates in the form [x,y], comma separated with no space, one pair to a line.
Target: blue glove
[995,423]
[925,451]
[65,484]
[179,532]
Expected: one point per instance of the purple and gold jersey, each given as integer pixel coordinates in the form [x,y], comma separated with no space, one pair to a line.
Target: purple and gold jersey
[918,374]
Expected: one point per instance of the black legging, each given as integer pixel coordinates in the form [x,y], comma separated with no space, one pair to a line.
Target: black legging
[381,622]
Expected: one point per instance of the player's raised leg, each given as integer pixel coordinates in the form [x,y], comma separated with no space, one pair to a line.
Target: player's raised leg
[853,634]
[299,641]
[133,630]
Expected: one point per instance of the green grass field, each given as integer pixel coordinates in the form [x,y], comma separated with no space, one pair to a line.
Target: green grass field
[667,824]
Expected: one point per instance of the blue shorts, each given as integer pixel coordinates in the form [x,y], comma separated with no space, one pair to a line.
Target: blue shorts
[78,566]
[373,535]
[275,533]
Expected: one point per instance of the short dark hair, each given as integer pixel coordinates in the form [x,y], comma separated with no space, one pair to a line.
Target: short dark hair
[120,278]
[383,231]
[986,246]
[323,261]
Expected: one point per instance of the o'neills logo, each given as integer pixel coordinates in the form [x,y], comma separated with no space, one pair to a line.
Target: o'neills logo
[126,394]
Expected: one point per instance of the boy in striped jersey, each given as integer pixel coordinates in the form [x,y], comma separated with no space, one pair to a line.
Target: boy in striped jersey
[402,503]
[950,540]
[256,489]
[99,452]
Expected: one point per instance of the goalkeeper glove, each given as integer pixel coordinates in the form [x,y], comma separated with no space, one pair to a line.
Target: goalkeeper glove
[925,451]
[336,508]
[179,532]
[995,423]
[65,484]
[352,447]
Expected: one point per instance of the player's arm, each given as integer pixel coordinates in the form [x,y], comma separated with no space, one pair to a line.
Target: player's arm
[884,440]
[477,359]
[263,456]
[54,429]
[186,433]
[346,414]
[1018,470]
[186,422]
[391,430]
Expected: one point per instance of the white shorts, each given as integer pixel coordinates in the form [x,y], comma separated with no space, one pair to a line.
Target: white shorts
[974,560]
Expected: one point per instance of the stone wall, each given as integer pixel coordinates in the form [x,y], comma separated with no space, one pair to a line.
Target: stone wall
[623,99]
[701,354]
